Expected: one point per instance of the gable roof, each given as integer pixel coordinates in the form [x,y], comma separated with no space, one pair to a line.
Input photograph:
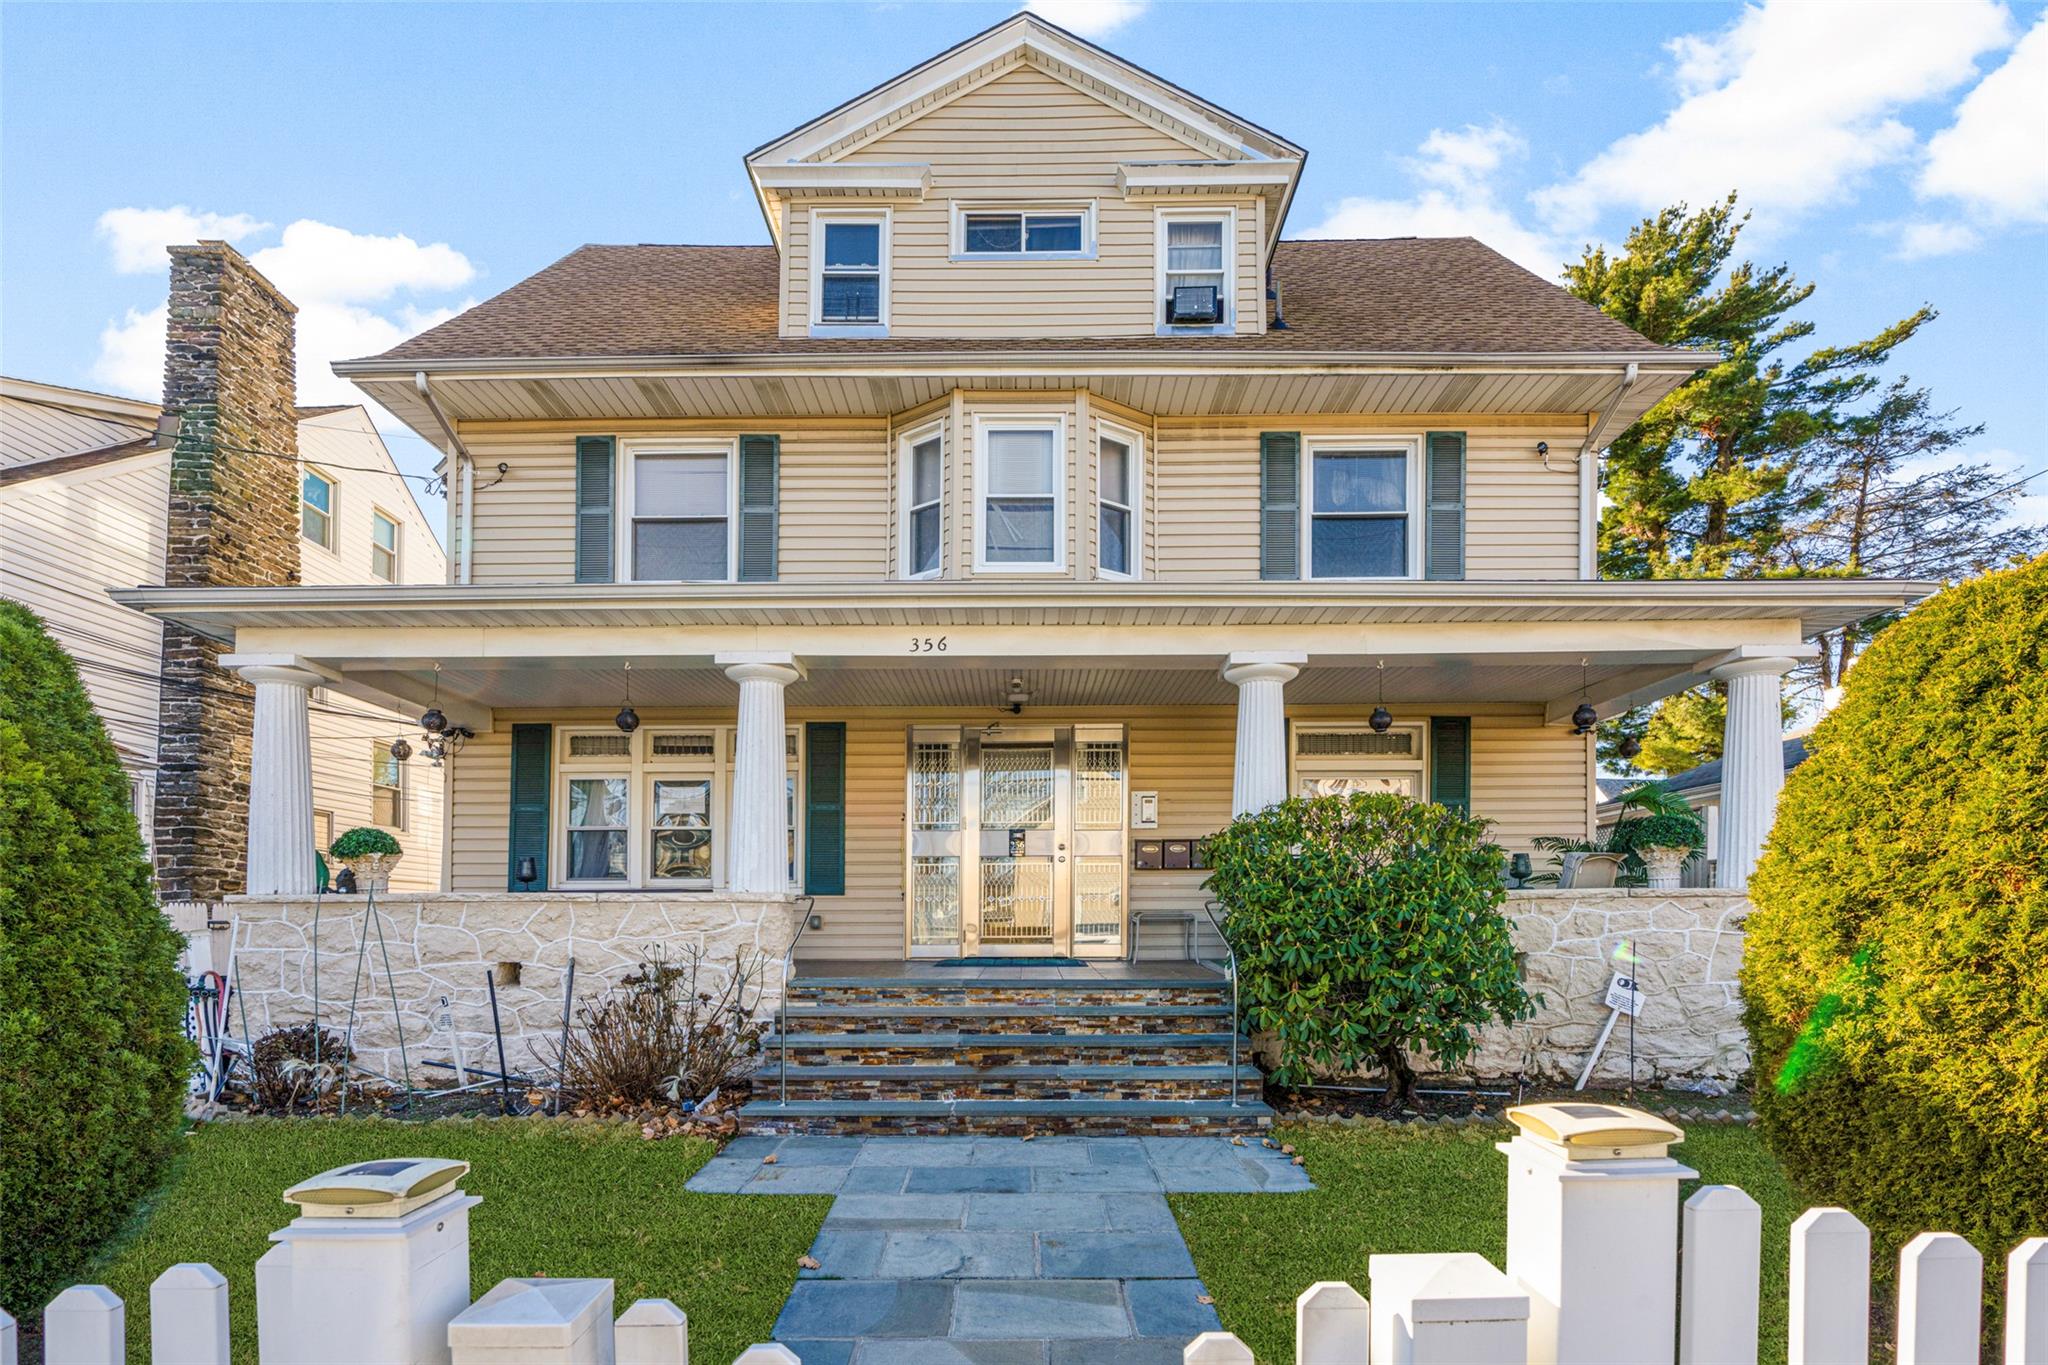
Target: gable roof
[1385,296]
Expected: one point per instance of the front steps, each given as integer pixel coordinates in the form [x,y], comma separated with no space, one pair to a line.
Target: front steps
[923,1049]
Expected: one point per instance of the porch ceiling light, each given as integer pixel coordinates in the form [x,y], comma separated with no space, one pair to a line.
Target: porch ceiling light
[628,720]
[1584,717]
[434,721]
[1381,720]
[401,750]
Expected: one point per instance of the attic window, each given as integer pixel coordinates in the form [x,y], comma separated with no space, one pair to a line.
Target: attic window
[852,278]
[1195,251]
[1024,235]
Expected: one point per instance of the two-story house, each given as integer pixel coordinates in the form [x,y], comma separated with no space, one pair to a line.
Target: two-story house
[1025,509]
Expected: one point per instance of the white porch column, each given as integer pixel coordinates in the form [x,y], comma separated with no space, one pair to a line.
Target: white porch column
[1260,777]
[757,853]
[280,777]
[1752,762]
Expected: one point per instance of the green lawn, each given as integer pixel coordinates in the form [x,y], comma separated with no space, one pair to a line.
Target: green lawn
[559,1199]
[1406,1190]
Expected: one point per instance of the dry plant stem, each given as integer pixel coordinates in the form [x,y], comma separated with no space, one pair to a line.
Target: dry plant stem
[661,1036]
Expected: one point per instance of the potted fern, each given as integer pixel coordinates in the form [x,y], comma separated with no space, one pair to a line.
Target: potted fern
[370,854]
[1659,832]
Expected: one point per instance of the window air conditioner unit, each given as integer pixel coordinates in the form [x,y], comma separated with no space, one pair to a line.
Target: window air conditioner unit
[1195,303]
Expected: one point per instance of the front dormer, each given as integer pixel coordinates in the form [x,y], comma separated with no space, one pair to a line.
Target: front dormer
[1024,184]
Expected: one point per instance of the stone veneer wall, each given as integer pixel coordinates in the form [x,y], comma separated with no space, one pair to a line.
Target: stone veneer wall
[443,945]
[1688,950]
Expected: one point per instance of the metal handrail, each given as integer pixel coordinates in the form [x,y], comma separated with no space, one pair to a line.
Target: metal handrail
[1209,909]
[803,921]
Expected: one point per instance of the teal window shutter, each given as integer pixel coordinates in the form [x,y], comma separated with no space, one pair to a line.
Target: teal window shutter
[531,745]
[596,478]
[759,456]
[1443,516]
[1280,504]
[825,808]
[1450,762]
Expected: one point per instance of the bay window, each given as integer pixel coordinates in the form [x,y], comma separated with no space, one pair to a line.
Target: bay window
[1360,509]
[1020,498]
[679,514]
[922,482]
[1117,481]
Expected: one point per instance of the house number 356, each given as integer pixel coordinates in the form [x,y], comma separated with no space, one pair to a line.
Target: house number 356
[925,644]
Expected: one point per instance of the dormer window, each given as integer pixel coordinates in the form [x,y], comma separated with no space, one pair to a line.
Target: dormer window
[851,281]
[1023,234]
[1195,249]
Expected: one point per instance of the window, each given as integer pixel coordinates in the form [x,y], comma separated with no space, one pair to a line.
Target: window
[383,546]
[597,828]
[852,272]
[323,830]
[923,490]
[679,841]
[1116,503]
[681,512]
[1341,759]
[387,787]
[1194,253]
[1020,494]
[1024,234]
[316,509]
[1359,507]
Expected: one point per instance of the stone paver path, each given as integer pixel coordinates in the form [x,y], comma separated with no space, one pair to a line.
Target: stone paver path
[997,1251]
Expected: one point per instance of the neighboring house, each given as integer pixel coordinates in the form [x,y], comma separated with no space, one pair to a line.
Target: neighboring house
[1701,788]
[84,497]
[1025,510]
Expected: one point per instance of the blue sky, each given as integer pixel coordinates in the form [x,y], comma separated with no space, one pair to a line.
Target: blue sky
[389,163]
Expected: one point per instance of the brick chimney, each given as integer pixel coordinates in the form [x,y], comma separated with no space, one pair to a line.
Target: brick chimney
[230,380]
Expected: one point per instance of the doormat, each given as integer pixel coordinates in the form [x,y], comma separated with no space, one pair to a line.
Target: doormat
[1010,962]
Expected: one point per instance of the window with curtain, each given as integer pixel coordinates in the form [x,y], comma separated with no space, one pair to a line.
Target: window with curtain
[680,507]
[597,827]
[924,485]
[1195,252]
[850,281]
[1020,497]
[1358,514]
[1116,506]
[1023,234]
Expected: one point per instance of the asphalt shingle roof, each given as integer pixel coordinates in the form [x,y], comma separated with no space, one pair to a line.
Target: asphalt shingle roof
[1404,294]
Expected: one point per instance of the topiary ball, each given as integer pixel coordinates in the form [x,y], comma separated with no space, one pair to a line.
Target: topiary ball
[1895,978]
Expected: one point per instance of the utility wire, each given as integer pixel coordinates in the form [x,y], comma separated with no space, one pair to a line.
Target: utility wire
[295,459]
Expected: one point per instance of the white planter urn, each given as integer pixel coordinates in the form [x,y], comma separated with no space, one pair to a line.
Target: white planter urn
[1661,867]
[373,870]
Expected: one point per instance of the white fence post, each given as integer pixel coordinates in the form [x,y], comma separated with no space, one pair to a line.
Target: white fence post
[274,1306]
[1941,1291]
[188,1316]
[653,1332]
[1448,1309]
[1829,1315]
[767,1353]
[2026,1304]
[1216,1348]
[10,1349]
[1332,1325]
[85,1325]
[1717,1299]
[520,1321]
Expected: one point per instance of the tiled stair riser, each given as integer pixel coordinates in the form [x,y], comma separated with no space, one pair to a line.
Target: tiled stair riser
[1006,996]
[1018,1126]
[954,1083]
[1039,1050]
[1008,1019]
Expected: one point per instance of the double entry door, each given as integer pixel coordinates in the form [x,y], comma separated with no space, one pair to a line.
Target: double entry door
[1016,841]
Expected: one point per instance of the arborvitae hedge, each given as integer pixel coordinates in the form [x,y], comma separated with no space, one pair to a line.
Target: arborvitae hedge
[93,1056]
[1896,971]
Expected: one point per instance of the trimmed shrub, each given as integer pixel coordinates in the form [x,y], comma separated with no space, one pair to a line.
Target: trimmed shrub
[1896,972]
[93,1055]
[363,842]
[1366,926]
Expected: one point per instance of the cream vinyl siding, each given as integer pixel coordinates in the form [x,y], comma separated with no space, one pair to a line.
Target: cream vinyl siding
[342,753]
[1530,778]
[834,489]
[343,446]
[1023,138]
[1521,520]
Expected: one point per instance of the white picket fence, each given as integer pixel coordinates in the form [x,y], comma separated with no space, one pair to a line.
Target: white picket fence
[1603,1268]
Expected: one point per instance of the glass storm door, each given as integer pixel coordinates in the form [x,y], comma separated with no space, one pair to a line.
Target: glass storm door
[1016,841]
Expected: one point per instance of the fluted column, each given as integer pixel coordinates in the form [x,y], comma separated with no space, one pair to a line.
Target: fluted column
[281,781]
[1259,778]
[757,852]
[1752,763]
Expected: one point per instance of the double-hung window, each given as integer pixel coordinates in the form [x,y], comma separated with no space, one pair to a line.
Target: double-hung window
[681,515]
[597,806]
[1020,497]
[923,492]
[852,276]
[1117,480]
[1026,234]
[387,787]
[1194,271]
[316,509]
[1360,510]
[383,546]
[681,805]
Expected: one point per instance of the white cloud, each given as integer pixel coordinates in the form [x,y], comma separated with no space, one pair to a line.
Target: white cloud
[1457,172]
[138,237]
[1994,156]
[1791,105]
[1089,18]
[335,276]
[1917,241]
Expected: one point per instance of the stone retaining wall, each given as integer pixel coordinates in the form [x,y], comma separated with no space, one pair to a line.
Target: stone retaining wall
[1687,947]
[442,946]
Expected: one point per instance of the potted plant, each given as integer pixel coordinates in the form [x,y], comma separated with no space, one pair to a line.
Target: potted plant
[370,854]
[1662,841]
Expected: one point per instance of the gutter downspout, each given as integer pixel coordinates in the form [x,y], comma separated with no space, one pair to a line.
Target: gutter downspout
[464,535]
[1589,477]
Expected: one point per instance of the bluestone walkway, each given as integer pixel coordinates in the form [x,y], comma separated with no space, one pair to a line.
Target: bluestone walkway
[997,1251]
